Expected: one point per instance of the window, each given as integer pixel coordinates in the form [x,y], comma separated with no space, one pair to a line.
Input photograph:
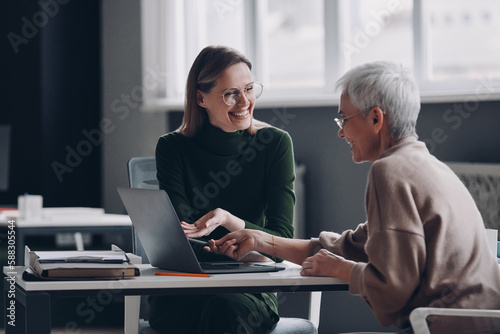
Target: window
[464,39]
[296,51]
[379,30]
[299,48]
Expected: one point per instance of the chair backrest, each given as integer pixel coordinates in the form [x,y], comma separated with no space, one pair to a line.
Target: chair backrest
[142,174]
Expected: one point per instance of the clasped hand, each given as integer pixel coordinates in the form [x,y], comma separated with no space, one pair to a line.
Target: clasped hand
[235,245]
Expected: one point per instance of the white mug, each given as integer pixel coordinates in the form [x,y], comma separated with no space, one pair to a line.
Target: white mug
[492,236]
[30,206]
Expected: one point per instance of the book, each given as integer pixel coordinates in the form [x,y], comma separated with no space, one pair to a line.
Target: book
[81,265]
[110,256]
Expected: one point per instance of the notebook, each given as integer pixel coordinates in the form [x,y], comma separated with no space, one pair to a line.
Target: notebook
[165,243]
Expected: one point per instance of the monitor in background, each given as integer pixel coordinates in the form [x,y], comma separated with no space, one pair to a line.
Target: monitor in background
[4,157]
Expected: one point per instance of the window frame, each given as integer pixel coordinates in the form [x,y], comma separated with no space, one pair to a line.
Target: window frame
[163,23]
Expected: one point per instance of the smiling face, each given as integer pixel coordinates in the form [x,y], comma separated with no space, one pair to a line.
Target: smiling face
[360,132]
[229,118]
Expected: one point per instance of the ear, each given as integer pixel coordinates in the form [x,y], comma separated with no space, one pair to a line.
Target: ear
[378,117]
[200,99]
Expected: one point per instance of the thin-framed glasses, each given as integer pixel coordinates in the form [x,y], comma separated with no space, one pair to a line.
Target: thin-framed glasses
[340,121]
[252,92]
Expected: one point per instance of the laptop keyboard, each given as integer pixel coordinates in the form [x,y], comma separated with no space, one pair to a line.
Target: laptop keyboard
[221,265]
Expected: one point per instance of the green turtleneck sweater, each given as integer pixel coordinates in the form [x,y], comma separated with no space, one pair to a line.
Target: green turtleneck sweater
[251,176]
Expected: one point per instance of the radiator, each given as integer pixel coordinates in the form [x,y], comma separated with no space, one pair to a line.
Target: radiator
[483,182]
[299,220]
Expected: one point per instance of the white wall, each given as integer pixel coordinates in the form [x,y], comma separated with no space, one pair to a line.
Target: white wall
[129,132]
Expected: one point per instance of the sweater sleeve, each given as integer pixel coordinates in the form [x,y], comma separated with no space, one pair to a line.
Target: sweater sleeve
[395,247]
[280,197]
[350,244]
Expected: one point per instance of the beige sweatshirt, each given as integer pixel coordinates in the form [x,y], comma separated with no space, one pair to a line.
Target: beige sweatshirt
[423,244]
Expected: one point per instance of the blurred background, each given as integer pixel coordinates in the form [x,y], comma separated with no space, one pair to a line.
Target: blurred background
[86,85]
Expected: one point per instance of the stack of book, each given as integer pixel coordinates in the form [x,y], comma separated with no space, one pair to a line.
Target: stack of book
[111,264]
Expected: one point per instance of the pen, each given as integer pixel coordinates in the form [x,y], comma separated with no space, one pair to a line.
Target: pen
[181,274]
[199,242]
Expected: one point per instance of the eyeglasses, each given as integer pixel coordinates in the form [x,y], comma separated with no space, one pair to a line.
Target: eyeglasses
[252,92]
[340,121]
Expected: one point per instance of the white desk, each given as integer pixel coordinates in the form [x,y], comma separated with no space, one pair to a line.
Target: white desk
[34,297]
[96,223]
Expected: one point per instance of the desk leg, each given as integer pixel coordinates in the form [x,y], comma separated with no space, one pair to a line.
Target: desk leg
[132,313]
[20,243]
[315,307]
[31,311]
[37,309]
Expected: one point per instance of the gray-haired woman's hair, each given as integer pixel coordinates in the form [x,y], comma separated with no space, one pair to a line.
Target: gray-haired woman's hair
[388,86]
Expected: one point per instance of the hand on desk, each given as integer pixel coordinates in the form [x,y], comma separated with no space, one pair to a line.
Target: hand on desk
[238,244]
[325,263]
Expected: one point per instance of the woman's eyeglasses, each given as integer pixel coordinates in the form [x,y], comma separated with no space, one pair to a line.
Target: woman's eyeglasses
[340,121]
[252,92]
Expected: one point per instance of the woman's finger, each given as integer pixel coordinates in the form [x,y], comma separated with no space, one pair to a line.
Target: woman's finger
[187,226]
[195,234]
[225,246]
[213,247]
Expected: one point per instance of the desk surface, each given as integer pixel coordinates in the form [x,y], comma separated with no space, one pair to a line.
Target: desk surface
[72,221]
[35,296]
[289,278]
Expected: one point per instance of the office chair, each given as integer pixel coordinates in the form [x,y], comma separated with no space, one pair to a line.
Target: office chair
[142,174]
[419,315]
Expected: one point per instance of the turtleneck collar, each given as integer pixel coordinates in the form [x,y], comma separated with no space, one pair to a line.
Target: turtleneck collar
[218,141]
[398,144]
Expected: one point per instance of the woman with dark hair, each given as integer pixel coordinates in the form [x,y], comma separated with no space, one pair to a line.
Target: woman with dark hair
[224,171]
[208,66]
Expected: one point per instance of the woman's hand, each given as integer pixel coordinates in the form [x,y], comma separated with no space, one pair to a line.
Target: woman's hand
[209,222]
[325,263]
[236,245]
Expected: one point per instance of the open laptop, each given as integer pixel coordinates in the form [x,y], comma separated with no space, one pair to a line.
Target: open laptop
[167,247]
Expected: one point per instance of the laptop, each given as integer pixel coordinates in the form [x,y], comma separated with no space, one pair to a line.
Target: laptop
[165,243]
